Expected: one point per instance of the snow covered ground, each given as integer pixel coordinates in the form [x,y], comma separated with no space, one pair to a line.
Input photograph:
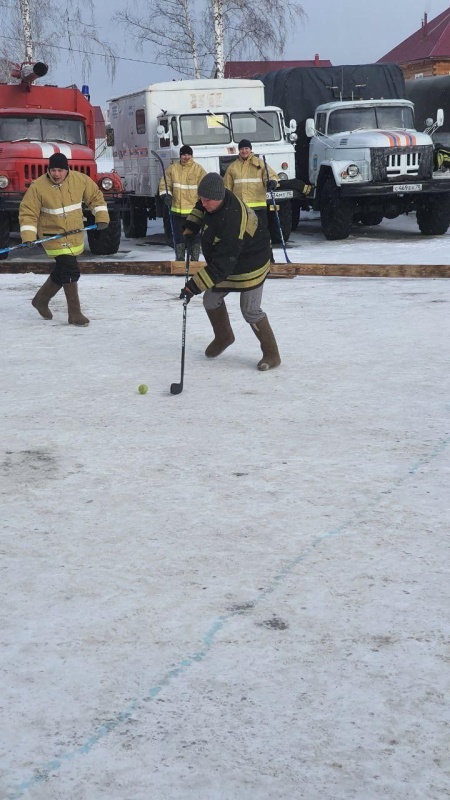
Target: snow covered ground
[240,592]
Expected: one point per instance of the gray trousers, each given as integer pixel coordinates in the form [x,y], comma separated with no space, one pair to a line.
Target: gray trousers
[250,303]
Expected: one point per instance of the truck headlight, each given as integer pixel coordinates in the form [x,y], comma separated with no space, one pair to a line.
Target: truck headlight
[282,176]
[352,171]
[107,184]
[4,181]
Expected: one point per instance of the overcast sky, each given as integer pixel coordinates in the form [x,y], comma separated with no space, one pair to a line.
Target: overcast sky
[344,31]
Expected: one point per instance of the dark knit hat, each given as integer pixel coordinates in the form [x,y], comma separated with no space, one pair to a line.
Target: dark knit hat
[211,187]
[186,150]
[58,161]
[244,143]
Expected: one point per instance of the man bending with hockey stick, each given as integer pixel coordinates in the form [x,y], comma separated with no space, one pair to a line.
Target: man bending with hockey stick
[236,247]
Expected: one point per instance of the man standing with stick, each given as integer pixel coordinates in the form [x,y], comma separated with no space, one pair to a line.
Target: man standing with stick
[179,191]
[236,247]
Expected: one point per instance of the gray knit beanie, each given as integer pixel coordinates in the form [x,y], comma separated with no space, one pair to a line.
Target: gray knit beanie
[211,187]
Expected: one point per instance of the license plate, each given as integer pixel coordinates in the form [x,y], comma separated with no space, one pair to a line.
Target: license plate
[280,195]
[408,187]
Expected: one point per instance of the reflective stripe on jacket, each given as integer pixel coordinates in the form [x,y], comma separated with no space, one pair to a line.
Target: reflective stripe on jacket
[248,180]
[182,183]
[48,208]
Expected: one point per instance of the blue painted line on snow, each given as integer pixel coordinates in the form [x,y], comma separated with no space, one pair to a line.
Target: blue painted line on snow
[41,773]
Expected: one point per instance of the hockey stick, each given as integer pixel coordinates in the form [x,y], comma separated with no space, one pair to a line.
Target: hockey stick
[276,214]
[48,238]
[154,153]
[177,388]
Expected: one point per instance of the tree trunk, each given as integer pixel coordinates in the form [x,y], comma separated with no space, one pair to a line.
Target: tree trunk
[218,38]
[26,22]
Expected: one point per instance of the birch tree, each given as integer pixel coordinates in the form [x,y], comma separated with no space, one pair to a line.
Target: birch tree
[50,31]
[173,28]
[196,40]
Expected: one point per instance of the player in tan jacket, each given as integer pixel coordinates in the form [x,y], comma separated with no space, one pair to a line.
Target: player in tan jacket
[52,205]
[246,177]
[182,178]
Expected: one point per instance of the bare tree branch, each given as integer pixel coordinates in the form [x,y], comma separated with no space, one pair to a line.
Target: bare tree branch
[197,44]
[172,26]
[71,24]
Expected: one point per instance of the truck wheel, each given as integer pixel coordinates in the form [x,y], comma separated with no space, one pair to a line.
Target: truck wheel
[134,221]
[107,241]
[336,214]
[285,217]
[295,213]
[4,234]
[433,216]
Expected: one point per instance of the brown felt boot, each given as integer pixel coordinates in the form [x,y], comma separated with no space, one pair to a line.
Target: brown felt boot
[271,357]
[73,305]
[223,334]
[42,298]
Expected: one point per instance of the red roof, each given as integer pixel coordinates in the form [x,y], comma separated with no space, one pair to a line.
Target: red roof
[431,41]
[250,69]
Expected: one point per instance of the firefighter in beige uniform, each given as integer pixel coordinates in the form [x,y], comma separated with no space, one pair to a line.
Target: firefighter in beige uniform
[52,205]
[182,178]
[246,177]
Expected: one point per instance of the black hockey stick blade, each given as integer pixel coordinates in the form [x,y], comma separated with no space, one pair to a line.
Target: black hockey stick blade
[176,388]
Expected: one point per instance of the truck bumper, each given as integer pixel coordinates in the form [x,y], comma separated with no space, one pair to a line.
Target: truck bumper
[400,189]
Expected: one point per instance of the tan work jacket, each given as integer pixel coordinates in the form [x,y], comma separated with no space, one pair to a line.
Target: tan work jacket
[182,183]
[248,180]
[49,208]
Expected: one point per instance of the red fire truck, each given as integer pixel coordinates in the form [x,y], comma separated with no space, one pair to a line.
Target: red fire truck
[35,122]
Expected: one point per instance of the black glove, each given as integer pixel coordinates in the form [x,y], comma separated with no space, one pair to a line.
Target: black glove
[185,294]
[187,232]
[102,225]
[30,244]
[272,185]
[168,200]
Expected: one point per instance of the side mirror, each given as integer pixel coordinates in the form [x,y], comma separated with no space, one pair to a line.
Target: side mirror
[310,128]
[293,137]
[109,136]
[428,122]
[161,132]
[440,117]
[292,126]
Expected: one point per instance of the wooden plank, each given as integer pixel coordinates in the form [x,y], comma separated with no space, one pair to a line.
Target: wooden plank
[277,270]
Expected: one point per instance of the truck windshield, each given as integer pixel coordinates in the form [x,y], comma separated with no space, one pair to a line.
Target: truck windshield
[198,129]
[381,117]
[258,126]
[42,129]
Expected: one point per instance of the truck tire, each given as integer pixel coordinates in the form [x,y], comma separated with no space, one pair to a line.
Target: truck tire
[107,241]
[295,213]
[285,217]
[134,221]
[4,234]
[433,216]
[336,214]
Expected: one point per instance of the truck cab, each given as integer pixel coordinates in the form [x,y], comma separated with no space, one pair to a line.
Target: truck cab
[36,122]
[367,162]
